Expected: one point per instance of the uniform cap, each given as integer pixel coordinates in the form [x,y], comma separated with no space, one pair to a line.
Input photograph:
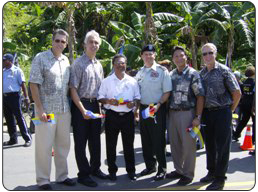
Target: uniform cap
[8,56]
[148,47]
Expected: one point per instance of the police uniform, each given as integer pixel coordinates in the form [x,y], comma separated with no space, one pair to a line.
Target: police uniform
[247,89]
[13,78]
[153,82]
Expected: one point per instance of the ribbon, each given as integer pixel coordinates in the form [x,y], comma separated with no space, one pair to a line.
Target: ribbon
[196,133]
[121,100]
[94,115]
[50,119]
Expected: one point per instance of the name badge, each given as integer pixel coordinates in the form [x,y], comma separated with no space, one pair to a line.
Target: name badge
[154,74]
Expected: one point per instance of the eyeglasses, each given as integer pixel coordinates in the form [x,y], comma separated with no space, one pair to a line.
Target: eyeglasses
[207,53]
[58,41]
[120,63]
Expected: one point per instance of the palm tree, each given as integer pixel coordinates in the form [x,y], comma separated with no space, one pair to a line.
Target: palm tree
[235,20]
[196,16]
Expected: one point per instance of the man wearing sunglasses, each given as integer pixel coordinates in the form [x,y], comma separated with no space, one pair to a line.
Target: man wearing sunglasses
[49,78]
[222,97]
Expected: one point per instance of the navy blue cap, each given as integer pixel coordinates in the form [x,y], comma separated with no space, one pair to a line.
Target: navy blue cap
[8,56]
[148,47]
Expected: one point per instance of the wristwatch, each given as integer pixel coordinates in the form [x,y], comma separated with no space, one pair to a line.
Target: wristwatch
[198,117]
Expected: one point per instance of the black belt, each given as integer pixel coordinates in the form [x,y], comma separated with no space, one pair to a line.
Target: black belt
[91,100]
[217,108]
[182,109]
[10,94]
[119,113]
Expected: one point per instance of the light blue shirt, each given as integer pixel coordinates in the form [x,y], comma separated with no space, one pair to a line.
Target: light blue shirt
[153,83]
[12,79]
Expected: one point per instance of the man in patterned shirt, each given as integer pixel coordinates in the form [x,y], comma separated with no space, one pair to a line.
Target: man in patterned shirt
[49,77]
[186,105]
[86,77]
[221,98]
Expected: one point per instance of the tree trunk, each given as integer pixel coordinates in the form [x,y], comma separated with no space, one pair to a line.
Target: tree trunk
[230,47]
[71,31]
[193,50]
[149,28]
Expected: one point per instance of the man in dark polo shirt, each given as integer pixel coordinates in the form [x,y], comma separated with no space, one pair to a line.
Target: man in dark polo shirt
[222,97]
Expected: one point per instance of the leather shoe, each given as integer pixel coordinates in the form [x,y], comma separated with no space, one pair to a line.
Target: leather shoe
[68,182]
[160,176]
[132,176]
[147,171]
[10,142]
[100,174]
[27,143]
[184,181]
[174,175]
[87,182]
[46,187]
[112,176]
[208,178]
[217,184]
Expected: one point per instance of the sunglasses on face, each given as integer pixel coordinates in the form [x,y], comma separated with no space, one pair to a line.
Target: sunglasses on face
[207,53]
[58,41]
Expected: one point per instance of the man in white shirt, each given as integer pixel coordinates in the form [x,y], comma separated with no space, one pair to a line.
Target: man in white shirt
[120,94]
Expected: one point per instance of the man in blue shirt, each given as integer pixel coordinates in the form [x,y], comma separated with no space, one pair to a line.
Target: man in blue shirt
[13,81]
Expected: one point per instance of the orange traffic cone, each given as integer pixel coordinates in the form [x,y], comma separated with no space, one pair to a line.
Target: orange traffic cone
[248,145]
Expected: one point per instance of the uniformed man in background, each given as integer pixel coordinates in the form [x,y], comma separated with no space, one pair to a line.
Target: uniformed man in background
[155,86]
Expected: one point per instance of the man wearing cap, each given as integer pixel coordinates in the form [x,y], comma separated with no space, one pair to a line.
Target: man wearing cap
[155,86]
[120,93]
[13,81]
[186,105]
[222,94]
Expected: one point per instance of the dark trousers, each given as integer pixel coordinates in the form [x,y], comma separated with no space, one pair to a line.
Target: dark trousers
[12,109]
[246,112]
[217,133]
[114,123]
[154,139]
[86,131]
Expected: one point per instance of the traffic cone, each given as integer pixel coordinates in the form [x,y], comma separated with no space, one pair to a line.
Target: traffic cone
[248,145]
[53,153]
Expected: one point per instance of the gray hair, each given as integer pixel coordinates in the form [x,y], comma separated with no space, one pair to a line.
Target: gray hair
[61,32]
[211,45]
[92,33]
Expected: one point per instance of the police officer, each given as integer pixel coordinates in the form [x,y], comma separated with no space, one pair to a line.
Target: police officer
[13,81]
[155,86]
[247,89]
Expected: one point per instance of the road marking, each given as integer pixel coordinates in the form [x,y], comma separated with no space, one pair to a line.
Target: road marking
[203,187]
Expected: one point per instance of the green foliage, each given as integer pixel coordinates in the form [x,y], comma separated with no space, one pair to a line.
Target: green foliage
[28,27]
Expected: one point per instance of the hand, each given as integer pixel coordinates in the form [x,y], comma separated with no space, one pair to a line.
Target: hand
[85,116]
[196,122]
[156,107]
[130,104]
[113,102]
[136,115]
[27,103]
[42,116]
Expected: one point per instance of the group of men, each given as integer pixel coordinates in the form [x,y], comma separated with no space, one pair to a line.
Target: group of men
[209,96]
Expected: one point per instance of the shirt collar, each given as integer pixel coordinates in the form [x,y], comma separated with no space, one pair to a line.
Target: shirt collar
[52,56]
[184,70]
[88,60]
[153,67]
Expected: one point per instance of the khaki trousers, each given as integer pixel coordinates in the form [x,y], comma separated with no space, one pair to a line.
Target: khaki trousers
[183,146]
[49,135]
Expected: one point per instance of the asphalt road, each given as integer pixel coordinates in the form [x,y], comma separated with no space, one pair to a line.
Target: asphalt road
[18,169]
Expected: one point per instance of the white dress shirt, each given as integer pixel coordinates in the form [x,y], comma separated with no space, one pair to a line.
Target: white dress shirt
[114,88]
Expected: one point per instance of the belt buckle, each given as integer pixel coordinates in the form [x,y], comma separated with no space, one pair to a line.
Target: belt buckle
[121,113]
